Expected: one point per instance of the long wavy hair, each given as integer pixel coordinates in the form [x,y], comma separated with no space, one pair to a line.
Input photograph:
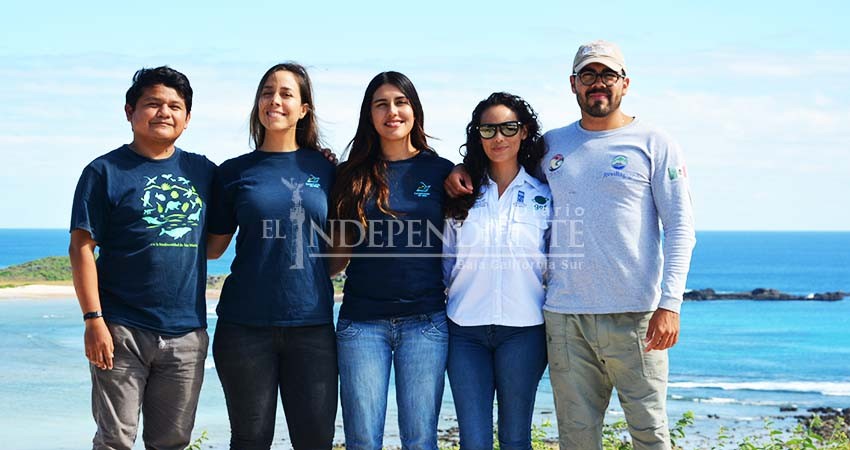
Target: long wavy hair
[307,128]
[475,160]
[364,175]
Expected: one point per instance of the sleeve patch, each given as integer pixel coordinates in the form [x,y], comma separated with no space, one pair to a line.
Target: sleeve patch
[677,172]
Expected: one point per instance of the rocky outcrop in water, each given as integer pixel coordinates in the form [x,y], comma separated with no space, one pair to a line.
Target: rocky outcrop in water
[762,294]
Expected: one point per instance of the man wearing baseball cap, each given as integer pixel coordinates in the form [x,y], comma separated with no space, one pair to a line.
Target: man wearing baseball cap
[614,293]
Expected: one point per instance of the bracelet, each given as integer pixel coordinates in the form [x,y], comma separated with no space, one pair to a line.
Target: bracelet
[92,315]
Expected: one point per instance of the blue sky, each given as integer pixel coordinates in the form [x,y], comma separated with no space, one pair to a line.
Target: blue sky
[756,92]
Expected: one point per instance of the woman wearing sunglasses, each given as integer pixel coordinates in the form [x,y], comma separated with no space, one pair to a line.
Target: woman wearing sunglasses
[393,309]
[274,335]
[494,262]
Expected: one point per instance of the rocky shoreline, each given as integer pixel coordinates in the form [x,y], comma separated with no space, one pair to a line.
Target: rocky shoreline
[826,421]
[763,294]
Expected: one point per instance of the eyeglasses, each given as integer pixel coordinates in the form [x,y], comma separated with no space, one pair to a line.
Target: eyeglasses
[589,77]
[508,129]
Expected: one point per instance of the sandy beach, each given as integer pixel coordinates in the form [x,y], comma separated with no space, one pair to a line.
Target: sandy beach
[57,291]
[38,291]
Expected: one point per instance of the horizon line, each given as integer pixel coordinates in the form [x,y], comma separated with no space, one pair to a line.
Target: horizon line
[724,230]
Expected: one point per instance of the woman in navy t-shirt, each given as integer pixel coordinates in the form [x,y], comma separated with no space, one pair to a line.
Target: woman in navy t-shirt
[388,198]
[275,316]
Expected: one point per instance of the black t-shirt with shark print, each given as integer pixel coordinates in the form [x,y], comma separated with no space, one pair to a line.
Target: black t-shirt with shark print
[396,266]
[279,203]
[148,217]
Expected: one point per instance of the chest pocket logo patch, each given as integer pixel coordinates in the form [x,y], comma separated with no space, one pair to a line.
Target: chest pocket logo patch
[556,162]
[619,162]
[424,190]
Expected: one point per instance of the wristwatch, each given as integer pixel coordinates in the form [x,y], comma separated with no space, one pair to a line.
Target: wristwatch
[92,315]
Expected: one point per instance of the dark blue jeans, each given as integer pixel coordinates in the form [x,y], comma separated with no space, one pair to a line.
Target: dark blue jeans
[489,360]
[416,348]
[255,363]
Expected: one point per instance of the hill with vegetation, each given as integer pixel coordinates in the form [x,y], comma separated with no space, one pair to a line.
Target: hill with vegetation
[57,270]
[52,269]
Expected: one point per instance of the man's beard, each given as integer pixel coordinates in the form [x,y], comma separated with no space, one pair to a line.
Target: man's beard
[599,108]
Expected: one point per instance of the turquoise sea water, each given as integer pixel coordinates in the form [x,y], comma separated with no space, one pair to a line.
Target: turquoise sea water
[738,360]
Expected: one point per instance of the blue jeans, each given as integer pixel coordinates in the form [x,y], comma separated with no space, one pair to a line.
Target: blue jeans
[501,360]
[255,364]
[417,348]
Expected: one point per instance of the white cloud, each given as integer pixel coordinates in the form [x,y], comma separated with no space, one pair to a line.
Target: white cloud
[749,149]
[780,131]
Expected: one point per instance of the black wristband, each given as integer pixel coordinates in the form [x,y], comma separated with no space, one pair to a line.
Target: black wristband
[92,315]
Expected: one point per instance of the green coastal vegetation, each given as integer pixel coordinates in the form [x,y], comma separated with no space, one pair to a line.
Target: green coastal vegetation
[57,270]
[49,270]
[813,433]
[810,434]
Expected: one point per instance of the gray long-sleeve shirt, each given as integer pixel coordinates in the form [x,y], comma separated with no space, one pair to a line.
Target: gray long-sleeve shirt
[610,189]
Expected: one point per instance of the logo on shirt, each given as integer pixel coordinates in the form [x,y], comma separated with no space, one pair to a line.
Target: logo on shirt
[677,172]
[424,190]
[556,162]
[313,182]
[520,197]
[540,202]
[170,204]
[619,162]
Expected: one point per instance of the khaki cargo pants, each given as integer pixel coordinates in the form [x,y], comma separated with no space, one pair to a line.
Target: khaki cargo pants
[589,354]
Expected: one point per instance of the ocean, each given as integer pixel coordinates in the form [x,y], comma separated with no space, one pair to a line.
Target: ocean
[736,364]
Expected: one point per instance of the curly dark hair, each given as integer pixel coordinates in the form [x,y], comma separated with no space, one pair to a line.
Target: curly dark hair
[475,160]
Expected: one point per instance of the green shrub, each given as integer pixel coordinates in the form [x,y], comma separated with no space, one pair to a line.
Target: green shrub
[196,444]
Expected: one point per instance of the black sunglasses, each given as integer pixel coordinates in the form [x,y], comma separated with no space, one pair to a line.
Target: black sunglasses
[508,129]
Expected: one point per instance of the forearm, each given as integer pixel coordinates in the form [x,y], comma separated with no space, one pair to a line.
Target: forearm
[217,244]
[338,262]
[449,250]
[340,255]
[98,341]
[84,273]
[679,241]
[677,260]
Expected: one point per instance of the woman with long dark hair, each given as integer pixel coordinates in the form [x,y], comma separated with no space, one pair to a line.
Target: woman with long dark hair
[389,201]
[494,263]
[274,335]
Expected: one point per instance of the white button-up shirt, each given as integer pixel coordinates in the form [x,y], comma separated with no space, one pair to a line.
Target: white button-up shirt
[494,261]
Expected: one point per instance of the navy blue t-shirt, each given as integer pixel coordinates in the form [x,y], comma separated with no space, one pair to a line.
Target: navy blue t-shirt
[148,219]
[395,269]
[279,201]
